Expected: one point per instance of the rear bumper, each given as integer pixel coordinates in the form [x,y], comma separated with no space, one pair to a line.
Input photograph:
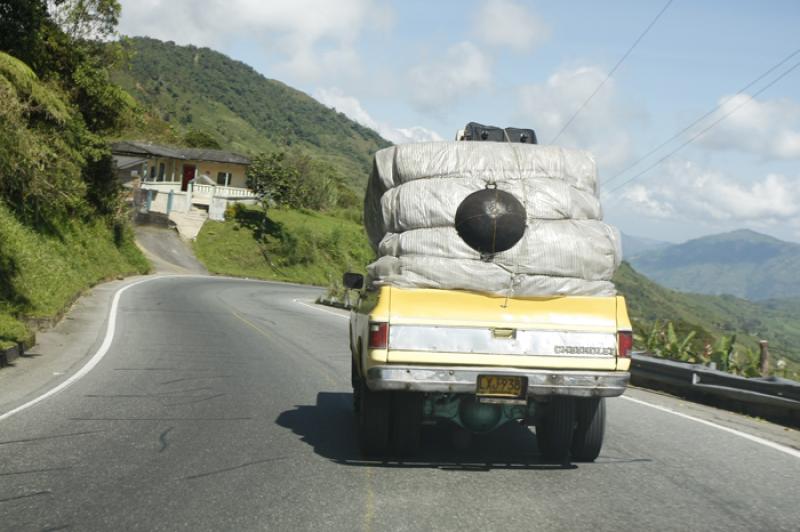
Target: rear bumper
[541,383]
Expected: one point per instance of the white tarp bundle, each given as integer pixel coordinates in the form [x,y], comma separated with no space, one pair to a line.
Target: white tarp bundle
[415,190]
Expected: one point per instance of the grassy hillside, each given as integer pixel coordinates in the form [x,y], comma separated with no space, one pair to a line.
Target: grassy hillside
[298,246]
[712,316]
[741,263]
[42,272]
[63,225]
[198,88]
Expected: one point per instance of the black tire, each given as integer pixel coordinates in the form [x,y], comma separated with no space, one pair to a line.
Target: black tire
[590,427]
[406,422]
[373,420]
[555,429]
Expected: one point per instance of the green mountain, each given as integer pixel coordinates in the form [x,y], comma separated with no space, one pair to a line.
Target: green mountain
[741,263]
[636,245]
[711,316]
[200,89]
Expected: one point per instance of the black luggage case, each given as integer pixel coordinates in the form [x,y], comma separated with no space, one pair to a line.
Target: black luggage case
[476,131]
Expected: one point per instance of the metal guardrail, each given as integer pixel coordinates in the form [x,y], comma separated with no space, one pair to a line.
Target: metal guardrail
[773,398]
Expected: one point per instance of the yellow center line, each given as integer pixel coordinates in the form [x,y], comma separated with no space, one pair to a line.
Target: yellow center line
[251,324]
[264,333]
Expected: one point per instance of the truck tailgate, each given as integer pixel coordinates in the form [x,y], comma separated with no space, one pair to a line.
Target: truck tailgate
[458,328]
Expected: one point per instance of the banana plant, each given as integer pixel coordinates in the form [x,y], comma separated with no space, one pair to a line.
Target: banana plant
[745,362]
[680,349]
[652,340]
[664,342]
[722,351]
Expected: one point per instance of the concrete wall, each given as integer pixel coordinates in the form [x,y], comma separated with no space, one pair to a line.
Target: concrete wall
[173,170]
[180,201]
[237,171]
[216,209]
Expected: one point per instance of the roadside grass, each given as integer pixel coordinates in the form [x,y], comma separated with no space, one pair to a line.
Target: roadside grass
[42,272]
[298,246]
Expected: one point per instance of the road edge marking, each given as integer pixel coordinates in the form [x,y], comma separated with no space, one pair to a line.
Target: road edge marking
[93,361]
[756,439]
[326,311]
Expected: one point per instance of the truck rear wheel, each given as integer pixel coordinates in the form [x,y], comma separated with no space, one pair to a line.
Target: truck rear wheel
[590,427]
[406,422]
[373,420]
[555,429]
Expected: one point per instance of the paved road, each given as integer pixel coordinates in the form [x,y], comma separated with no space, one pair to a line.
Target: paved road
[166,251]
[225,405]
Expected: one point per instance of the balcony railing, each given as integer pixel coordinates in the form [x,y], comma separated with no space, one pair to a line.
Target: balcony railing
[220,191]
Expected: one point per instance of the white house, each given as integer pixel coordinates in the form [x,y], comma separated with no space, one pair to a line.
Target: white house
[179,178]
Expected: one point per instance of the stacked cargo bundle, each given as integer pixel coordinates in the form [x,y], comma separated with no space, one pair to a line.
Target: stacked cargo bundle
[417,192]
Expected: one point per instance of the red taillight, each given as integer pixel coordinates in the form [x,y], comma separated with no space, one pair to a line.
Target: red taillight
[624,343]
[378,335]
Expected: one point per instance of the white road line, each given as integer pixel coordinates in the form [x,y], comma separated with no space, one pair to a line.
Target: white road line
[96,358]
[756,439]
[317,307]
[111,328]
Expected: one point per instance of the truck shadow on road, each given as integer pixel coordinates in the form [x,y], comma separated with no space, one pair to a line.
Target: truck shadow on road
[329,427]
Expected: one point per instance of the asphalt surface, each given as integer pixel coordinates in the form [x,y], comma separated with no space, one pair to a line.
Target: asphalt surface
[225,405]
[166,251]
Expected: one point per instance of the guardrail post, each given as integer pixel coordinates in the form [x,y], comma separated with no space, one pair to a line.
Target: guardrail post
[169,201]
[763,361]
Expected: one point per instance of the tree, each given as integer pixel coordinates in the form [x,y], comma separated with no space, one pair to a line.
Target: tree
[86,19]
[59,103]
[200,139]
[21,23]
[272,179]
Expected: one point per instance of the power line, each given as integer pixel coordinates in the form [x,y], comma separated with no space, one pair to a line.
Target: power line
[703,131]
[611,73]
[697,121]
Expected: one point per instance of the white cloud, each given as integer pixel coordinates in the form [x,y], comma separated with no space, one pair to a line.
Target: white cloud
[601,127]
[437,85]
[642,200]
[688,192]
[770,129]
[508,23]
[312,37]
[351,107]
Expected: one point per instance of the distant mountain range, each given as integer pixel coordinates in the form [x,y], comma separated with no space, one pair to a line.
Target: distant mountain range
[199,89]
[711,316]
[742,263]
[636,245]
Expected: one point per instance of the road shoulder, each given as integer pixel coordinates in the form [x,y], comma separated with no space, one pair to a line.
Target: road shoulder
[60,350]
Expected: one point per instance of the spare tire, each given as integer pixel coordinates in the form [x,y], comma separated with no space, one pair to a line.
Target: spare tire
[491,220]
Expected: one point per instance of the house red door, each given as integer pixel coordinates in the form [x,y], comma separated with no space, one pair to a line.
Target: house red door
[188,175]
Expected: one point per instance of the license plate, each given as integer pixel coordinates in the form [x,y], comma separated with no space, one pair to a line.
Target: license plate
[501,386]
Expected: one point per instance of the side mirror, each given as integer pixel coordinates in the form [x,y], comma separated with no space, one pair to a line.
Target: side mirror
[353,281]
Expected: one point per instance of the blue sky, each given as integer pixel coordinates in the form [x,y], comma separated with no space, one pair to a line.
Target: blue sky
[420,70]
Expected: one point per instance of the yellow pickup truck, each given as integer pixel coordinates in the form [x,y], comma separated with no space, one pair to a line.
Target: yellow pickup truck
[480,361]
[491,299]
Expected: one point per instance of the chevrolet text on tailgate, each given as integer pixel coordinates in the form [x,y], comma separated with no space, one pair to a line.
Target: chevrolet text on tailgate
[484,307]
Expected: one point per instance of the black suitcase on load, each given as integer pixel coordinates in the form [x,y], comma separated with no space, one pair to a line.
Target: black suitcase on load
[476,131]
